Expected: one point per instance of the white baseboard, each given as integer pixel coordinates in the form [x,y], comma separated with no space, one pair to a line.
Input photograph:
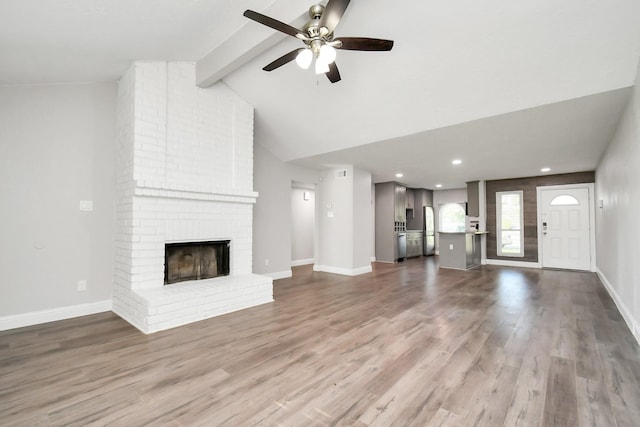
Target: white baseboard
[279,274]
[507,263]
[53,315]
[373,259]
[343,271]
[632,323]
[299,262]
[362,270]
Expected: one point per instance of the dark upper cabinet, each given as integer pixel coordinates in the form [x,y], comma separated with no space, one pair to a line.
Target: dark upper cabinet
[473,198]
[410,198]
[400,203]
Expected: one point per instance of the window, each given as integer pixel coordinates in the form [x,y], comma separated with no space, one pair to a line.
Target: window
[564,200]
[452,217]
[510,227]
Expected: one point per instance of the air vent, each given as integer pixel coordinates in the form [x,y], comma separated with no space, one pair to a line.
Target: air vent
[341,173]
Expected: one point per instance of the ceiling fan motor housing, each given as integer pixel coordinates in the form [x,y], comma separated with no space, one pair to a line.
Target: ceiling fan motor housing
[312,27]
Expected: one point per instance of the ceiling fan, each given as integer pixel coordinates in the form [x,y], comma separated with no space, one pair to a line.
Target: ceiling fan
[317,35]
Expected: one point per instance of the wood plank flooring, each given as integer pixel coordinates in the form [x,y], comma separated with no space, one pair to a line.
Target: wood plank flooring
[408,344]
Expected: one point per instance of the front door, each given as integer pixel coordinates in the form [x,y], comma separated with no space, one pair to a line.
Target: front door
[565,227]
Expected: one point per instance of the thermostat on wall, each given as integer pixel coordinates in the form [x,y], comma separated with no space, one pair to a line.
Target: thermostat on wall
[341,173]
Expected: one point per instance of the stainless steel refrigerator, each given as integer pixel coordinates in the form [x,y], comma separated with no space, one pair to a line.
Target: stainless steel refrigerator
[429,231]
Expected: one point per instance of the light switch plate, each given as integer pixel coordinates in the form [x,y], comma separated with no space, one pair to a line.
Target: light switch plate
[86,205]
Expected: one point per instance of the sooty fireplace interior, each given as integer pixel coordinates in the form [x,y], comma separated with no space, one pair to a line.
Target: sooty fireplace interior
[195,260]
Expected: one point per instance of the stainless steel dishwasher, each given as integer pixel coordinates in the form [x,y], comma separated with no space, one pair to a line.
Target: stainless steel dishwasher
[402,246]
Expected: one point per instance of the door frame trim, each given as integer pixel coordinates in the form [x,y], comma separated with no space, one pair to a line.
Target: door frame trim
[592,218]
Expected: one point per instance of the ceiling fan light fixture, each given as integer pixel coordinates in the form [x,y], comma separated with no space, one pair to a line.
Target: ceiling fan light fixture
[327,53]
[304,58]
[317,35]
[321,66]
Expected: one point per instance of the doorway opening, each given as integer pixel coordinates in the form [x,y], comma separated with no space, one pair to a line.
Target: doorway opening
[303,207]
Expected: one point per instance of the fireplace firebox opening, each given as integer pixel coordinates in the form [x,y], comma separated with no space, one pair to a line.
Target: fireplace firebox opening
[195,260]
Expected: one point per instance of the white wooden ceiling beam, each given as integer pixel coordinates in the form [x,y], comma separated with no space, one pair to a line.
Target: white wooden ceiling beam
[248,42]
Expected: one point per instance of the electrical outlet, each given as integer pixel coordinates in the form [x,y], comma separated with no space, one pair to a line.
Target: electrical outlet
[450,247]
[82,285]
[266,261]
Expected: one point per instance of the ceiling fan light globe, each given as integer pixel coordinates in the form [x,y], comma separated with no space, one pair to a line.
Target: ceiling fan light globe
[327,53]
[321,66]
[304,58]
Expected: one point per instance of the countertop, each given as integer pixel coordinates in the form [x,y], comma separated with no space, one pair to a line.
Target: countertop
[463,232]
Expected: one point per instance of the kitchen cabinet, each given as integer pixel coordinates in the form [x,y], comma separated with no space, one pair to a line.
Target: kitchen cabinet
[411,202]
[410,199]
[396,208]
[422,198]
[400,203]
[473,198]
[390,222]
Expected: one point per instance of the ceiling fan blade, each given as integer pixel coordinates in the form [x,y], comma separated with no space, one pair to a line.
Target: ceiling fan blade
[284,59]
[333,74]
[332,14]
[273,23]
[364,43]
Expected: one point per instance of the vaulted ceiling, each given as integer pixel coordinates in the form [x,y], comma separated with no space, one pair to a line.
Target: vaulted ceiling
[508,87]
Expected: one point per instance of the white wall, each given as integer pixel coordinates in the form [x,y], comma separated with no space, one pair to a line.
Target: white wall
[363,219]
[441,197]
[333,241]
[335,220]
[272,180]
[373,222]
[617,222]
[271,215]
[57,147]
[302,225]
[344,222]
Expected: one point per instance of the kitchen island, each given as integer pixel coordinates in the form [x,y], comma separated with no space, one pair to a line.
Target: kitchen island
[460,250]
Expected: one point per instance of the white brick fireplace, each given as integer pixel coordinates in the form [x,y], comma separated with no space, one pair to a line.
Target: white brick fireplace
[185,174]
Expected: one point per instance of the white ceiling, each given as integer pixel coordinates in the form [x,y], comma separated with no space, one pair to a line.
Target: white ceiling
[567,136]
[507,86]
[45,41]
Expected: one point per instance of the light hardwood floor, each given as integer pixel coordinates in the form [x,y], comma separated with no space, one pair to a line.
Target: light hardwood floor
[405,345]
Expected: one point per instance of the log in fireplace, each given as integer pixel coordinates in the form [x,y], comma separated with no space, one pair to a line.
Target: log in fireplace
[195,260]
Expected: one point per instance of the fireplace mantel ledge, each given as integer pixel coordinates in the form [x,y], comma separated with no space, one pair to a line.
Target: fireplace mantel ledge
[155,189]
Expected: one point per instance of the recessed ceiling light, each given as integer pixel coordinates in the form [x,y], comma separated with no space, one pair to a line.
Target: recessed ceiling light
[456,162]
[399,175]
[438,185]
[545,169]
